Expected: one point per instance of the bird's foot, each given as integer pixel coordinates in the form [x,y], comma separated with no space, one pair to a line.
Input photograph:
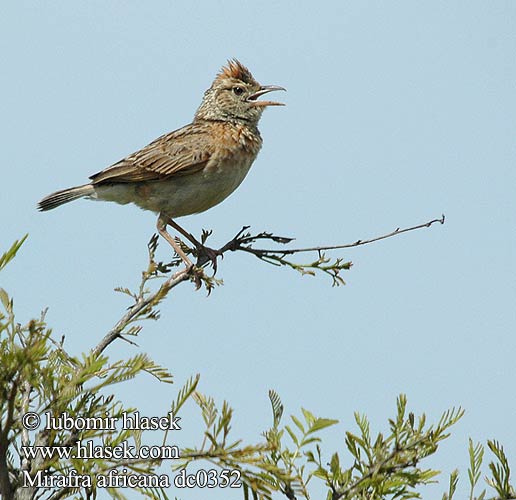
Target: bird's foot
[206,254]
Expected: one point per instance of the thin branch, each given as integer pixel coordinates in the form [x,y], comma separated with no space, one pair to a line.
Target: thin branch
[288,492]
[26,390]
[136,310]
[237,242]
[243,241]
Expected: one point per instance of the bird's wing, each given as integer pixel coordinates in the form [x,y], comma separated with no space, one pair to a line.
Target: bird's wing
[181,152]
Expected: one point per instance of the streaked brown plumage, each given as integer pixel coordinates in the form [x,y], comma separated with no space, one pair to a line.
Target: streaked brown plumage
[193,168]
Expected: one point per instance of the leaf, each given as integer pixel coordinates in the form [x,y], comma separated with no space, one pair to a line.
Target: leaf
[335,464]
[351,442]
[500,471]
[185,392]
[476,454]
[298,423]
[292,435]
[10,254]
[277,407]
[4,298]
[308,441]
[321,423]
[454,479]
[309,418]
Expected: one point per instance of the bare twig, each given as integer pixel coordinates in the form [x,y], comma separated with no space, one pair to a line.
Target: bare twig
[242,241]
[238,241]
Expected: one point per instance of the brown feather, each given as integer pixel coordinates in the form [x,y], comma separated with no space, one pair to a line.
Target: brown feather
[181,152]
[236,70]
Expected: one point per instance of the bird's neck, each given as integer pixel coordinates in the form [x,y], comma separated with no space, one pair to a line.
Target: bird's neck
[233,120]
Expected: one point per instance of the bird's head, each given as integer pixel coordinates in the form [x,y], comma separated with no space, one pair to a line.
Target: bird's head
[233,96]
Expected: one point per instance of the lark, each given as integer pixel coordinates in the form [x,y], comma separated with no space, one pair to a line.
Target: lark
[192,169]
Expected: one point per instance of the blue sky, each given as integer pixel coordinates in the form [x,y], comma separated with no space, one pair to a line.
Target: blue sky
[396,112]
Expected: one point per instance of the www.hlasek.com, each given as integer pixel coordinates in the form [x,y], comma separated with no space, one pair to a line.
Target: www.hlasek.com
[115,478]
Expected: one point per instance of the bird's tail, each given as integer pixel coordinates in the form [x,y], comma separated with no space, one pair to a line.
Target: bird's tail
[64,196]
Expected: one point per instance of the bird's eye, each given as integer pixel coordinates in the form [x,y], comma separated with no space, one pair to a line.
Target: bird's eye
[238,90]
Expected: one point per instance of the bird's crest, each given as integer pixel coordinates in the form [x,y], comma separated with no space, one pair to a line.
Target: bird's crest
[235,69]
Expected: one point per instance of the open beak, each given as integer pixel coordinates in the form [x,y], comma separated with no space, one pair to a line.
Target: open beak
[264,89]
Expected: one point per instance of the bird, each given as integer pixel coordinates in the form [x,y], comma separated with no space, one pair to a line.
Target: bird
[191,169]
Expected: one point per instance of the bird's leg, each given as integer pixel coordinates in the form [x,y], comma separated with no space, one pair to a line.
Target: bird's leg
[202,251]
[162,230]
[190,237]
